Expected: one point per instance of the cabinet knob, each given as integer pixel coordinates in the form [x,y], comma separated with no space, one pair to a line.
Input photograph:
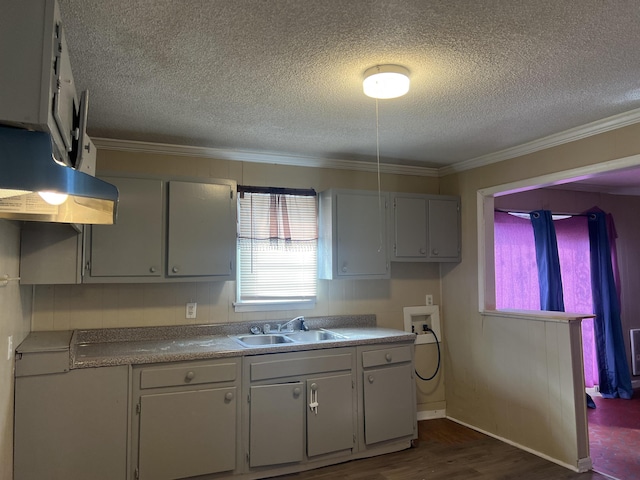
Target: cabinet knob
[297,392]
[370,379]
[388,357]
[152,269]
[423,251]
[314,387]
[174,269]
[228,396]
[344,267]
[435,252]
[189,376]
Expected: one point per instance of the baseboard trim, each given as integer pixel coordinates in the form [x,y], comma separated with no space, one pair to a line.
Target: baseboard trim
[582,462]
[431,414]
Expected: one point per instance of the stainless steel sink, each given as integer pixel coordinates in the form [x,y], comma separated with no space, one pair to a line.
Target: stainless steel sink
[315,336]
[262,340]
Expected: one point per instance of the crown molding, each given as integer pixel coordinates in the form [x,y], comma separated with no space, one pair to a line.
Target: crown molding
[571,135]
[260,157]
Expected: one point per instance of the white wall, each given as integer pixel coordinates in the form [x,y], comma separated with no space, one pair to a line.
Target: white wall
[468,348]
[15,315]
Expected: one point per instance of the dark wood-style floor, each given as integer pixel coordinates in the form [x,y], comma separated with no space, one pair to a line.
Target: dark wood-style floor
[448,451]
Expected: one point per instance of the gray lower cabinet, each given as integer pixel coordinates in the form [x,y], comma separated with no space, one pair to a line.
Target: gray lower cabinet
[276,411]
[330,422]
[70,425]
[301,407]
[388,393]
[185,419]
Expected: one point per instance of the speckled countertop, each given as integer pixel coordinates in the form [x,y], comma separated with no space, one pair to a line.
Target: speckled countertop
[142,345]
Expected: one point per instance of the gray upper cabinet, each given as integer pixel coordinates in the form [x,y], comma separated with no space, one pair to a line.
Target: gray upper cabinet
[173,230]
[352,235]
[424,228]
[201,233]
[132,246]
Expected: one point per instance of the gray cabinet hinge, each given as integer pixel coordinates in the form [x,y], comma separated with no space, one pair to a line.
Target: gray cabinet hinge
[231,194]
[248,398]
[138,408]
[136,473]
[353,384]
[248,457]
[354,438]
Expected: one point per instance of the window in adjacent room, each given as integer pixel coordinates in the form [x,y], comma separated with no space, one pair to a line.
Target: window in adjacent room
[277,248]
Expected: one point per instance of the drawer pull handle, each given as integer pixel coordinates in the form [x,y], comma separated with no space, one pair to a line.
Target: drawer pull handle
[388,357]
[174,269]
[189,376]
[152,269]
[296,392]
[228,396]
[371,378]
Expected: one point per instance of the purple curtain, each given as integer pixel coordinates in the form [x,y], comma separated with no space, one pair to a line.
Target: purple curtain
[515,263]
[549,276]
[573,249]
[615,379]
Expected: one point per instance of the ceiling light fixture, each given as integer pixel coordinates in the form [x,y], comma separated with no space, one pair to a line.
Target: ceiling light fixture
[386,81]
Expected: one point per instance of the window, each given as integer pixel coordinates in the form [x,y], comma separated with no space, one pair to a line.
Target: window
[277,248]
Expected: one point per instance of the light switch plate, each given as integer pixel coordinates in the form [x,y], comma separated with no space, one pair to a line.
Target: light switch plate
[191,310]
[9,347]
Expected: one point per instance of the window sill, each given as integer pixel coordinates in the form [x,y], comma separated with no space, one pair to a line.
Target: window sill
[539,315]
[274,305]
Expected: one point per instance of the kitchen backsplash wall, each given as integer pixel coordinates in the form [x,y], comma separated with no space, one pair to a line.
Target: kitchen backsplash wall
[15,313]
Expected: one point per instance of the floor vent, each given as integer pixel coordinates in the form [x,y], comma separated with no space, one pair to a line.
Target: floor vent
[635,350]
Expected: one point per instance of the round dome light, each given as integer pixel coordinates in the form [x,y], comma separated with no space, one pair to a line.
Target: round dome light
[386,81]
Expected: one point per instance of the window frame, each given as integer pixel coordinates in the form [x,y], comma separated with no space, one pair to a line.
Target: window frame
[287,303]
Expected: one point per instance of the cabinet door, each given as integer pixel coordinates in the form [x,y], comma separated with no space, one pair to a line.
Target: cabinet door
[362,240]
[389,403]
[410,227]
[132,246]
[71,425]
[276,424]
[201,229]
[330,426]
[185,434]
[444,229]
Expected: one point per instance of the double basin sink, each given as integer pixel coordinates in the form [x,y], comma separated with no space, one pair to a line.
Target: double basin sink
[265,340]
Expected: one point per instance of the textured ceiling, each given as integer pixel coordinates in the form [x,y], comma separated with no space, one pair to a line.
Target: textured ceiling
[286,75]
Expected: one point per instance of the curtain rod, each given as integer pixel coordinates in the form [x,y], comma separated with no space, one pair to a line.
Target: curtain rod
[502,210]
[306,192]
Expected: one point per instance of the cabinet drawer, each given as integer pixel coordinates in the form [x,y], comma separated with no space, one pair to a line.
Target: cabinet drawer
[187,375]
[300,366]
[386,356]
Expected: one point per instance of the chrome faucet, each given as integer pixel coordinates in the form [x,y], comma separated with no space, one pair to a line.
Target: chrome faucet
[288,326]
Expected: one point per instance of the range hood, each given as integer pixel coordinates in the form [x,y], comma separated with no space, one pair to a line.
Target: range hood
[28,167]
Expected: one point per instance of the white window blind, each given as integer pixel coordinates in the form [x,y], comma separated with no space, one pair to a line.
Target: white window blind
[277,245]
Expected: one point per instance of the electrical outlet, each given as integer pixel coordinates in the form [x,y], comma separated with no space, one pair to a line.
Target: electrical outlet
[191,310]
[9,347]
[429,300]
